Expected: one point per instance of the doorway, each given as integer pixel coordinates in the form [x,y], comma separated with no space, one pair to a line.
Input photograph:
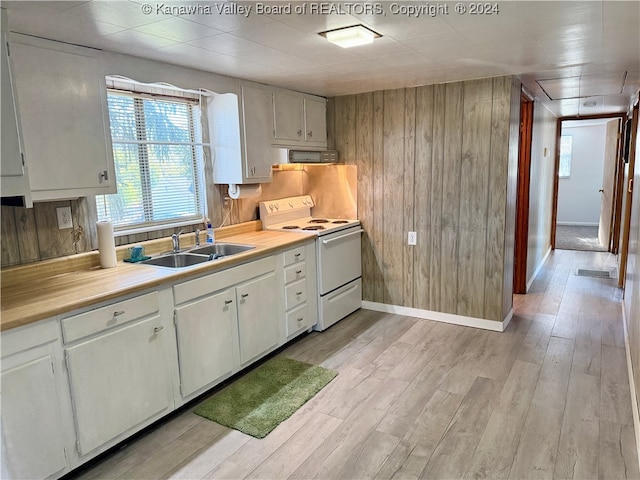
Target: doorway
[522,195]
[587,178]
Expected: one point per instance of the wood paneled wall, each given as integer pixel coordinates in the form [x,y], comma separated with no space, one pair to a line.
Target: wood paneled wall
[439,160]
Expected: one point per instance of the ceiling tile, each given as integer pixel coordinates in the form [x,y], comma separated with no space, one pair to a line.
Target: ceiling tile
[121,13]
[129,41]
[177,29]
[585,86]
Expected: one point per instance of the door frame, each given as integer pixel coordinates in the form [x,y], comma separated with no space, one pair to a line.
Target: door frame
[554,207]
[521,244]
[628,192]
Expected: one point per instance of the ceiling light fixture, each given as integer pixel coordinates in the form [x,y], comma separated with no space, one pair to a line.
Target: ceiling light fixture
[353,36]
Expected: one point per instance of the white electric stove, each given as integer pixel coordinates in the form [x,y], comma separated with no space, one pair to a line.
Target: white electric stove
[338,253]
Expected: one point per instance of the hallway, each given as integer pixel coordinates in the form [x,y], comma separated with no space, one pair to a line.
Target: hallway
[548,398]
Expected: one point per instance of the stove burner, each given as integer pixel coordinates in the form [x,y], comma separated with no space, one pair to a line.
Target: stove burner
[314,227]
[290,227]
[340,221]
[318,220]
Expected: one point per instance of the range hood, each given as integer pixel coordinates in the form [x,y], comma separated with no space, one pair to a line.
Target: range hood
[293,155]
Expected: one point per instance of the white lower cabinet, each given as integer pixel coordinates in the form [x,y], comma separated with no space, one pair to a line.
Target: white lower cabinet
[119,373]
[35,418]
[205,329]
[299,279]
[224,321]
[258,319]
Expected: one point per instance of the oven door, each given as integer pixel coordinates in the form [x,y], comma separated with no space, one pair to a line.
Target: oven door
[339,258]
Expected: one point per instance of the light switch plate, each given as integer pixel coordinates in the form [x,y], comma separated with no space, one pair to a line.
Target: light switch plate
[64,217]
[412,238]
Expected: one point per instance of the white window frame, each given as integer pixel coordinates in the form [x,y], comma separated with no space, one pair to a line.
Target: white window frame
[145,91]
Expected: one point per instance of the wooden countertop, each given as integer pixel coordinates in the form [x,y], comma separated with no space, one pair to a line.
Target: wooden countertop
[42,290]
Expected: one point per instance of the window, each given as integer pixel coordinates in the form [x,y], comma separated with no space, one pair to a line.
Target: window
[157,150]
[566,147]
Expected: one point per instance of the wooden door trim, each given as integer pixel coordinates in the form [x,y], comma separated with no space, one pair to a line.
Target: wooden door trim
[626,221]
[601,116]
[556,185]
[522,195]
[618,181]
[554,203]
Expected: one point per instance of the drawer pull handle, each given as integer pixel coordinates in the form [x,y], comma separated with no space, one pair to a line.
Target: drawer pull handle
[297,255]
[298,272]
[117,313]
[299,319]
[227,302]
[158,329]
[244,295]
[298,294]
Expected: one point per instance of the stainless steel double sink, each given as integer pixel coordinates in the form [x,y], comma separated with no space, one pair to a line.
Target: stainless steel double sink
[197,255]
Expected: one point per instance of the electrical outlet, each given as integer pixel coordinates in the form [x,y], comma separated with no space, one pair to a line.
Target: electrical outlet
[412,238]
[64,217]
[227,201]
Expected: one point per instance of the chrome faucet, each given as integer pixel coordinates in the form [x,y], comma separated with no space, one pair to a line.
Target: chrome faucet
[175,240]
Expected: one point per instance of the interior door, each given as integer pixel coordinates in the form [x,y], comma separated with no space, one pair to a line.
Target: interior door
[608,179]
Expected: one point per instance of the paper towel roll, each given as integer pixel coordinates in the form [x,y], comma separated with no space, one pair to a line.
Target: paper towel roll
[244,191]
[106,244]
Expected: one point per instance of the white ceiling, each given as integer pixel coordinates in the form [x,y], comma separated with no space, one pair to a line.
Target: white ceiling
[578,47]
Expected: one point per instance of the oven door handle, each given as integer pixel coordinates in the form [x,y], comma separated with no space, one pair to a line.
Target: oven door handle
[327,242]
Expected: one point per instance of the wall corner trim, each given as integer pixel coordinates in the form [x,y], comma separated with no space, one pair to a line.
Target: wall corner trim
[632,385]
[474,322]
[538,268]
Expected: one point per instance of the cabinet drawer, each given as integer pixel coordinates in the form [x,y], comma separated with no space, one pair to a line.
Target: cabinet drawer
[295,255]
[199,287]
[295,294]
[298,319]
[295,272]
[94,321]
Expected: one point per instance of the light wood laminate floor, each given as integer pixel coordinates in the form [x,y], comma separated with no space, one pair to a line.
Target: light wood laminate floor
[548,398]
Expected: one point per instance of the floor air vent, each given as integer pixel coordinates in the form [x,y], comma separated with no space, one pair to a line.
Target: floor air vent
[583,272]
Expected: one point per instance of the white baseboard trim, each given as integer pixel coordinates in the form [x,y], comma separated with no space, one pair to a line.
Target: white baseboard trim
[578,224]
[535,274]
[440,317]
[632,385]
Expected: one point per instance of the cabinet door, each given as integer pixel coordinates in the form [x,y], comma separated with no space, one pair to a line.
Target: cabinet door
[14,177]
[257,118]
[205,331]
[315,121]
[258,321]
[288,117]
[11,151]
[32,430]
[118,381]
[62,98]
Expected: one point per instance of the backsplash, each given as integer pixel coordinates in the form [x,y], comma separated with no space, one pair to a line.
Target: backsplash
[31,234]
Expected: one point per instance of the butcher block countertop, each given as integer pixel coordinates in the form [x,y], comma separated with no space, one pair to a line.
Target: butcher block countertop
[52,287]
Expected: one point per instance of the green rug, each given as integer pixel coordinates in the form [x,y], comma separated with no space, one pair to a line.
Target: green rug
[259,401]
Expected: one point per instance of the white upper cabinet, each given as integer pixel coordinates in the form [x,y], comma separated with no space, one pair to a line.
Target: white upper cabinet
[240,128]
[62,101]
[15,181]
[299,120]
